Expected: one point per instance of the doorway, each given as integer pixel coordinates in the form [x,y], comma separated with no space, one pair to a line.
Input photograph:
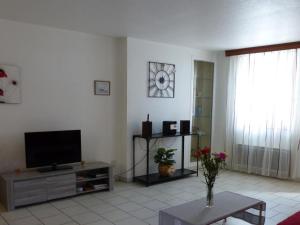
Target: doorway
[202,104]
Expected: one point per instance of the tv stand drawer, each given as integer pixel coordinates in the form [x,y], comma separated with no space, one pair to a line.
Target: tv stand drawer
[61,192]
[61,180]
[37,198]
[29,185]
[61,186]
[29,192]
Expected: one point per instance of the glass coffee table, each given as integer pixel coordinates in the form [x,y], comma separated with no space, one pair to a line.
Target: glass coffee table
[226,204]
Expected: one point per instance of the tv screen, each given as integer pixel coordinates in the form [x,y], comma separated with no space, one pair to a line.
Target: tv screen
[52,147]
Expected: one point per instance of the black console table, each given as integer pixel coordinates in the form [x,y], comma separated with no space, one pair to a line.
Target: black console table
[154,178]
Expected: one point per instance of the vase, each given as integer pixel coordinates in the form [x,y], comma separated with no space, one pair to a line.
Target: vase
[210,197]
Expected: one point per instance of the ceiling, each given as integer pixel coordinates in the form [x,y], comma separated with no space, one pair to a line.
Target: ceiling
[206,24]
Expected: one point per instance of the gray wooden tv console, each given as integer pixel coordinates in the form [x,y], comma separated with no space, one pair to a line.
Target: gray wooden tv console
[31,187]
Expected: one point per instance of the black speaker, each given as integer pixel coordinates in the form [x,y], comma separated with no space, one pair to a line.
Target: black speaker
[185,127]
[147,128]
[169,128]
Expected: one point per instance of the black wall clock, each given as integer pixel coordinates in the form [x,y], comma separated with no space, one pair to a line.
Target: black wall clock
[161,80]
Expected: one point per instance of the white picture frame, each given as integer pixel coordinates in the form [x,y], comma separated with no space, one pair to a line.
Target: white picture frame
[101,87]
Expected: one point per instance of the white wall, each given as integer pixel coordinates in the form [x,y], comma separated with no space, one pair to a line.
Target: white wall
[139,53]
[58,69]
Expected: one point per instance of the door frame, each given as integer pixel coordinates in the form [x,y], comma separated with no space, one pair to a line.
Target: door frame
[209,60]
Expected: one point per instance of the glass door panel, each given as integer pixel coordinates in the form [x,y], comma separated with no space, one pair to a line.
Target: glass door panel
[202,107]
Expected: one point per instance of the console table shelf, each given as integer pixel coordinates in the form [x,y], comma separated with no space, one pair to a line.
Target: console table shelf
[154,178]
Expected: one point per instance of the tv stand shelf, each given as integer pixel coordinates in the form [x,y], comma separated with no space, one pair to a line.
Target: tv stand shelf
[31,187]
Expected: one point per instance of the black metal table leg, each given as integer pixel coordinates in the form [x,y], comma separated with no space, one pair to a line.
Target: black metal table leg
[182,154]
[148,152]
[198,142]
[133,159]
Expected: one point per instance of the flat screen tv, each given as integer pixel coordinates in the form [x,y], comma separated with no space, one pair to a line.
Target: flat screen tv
[52,148]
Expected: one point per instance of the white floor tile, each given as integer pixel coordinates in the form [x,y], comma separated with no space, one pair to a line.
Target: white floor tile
[72,223]
[116,215]
[128,194]
[90,202]
[100,209]
[39,207]
[74,210]
[26,221]
[45,212]
[16,214]
[155,205]
[2,221]
[140,199]
[131,221]
[129,207]
[116,200]
[62,204]
[56,220]
[86,218]
[104,195]
[101,222]
[152,221]
[143,213]
[279,217]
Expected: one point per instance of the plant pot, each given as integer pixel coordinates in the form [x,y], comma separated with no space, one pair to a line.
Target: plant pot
[166,170]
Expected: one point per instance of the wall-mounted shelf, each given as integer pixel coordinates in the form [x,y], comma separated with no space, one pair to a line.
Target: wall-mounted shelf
[154,178]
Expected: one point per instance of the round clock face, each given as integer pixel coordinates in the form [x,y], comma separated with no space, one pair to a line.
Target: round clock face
[161,80]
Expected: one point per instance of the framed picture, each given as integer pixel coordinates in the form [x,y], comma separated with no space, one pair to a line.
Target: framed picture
[101,87]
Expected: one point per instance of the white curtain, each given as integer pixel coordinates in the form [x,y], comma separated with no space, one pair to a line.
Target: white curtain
[263,113]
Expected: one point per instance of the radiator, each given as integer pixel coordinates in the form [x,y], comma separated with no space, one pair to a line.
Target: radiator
[276,161]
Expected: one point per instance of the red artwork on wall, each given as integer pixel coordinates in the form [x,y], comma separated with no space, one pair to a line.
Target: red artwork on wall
[2,73]
[10,90]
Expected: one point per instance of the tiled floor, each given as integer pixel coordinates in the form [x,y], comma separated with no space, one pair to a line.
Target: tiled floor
[132,204]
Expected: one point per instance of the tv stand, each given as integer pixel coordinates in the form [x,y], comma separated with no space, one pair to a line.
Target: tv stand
[55,167]
[32,187]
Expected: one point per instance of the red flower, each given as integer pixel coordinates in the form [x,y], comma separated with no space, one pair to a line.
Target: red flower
[197,154]
[205,150]
[222,155]
[2,73]
[1,92]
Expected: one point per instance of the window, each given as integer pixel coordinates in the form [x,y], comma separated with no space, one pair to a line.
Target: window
[263,108]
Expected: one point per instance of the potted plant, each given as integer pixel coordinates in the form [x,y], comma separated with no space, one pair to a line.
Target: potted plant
[164,158]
